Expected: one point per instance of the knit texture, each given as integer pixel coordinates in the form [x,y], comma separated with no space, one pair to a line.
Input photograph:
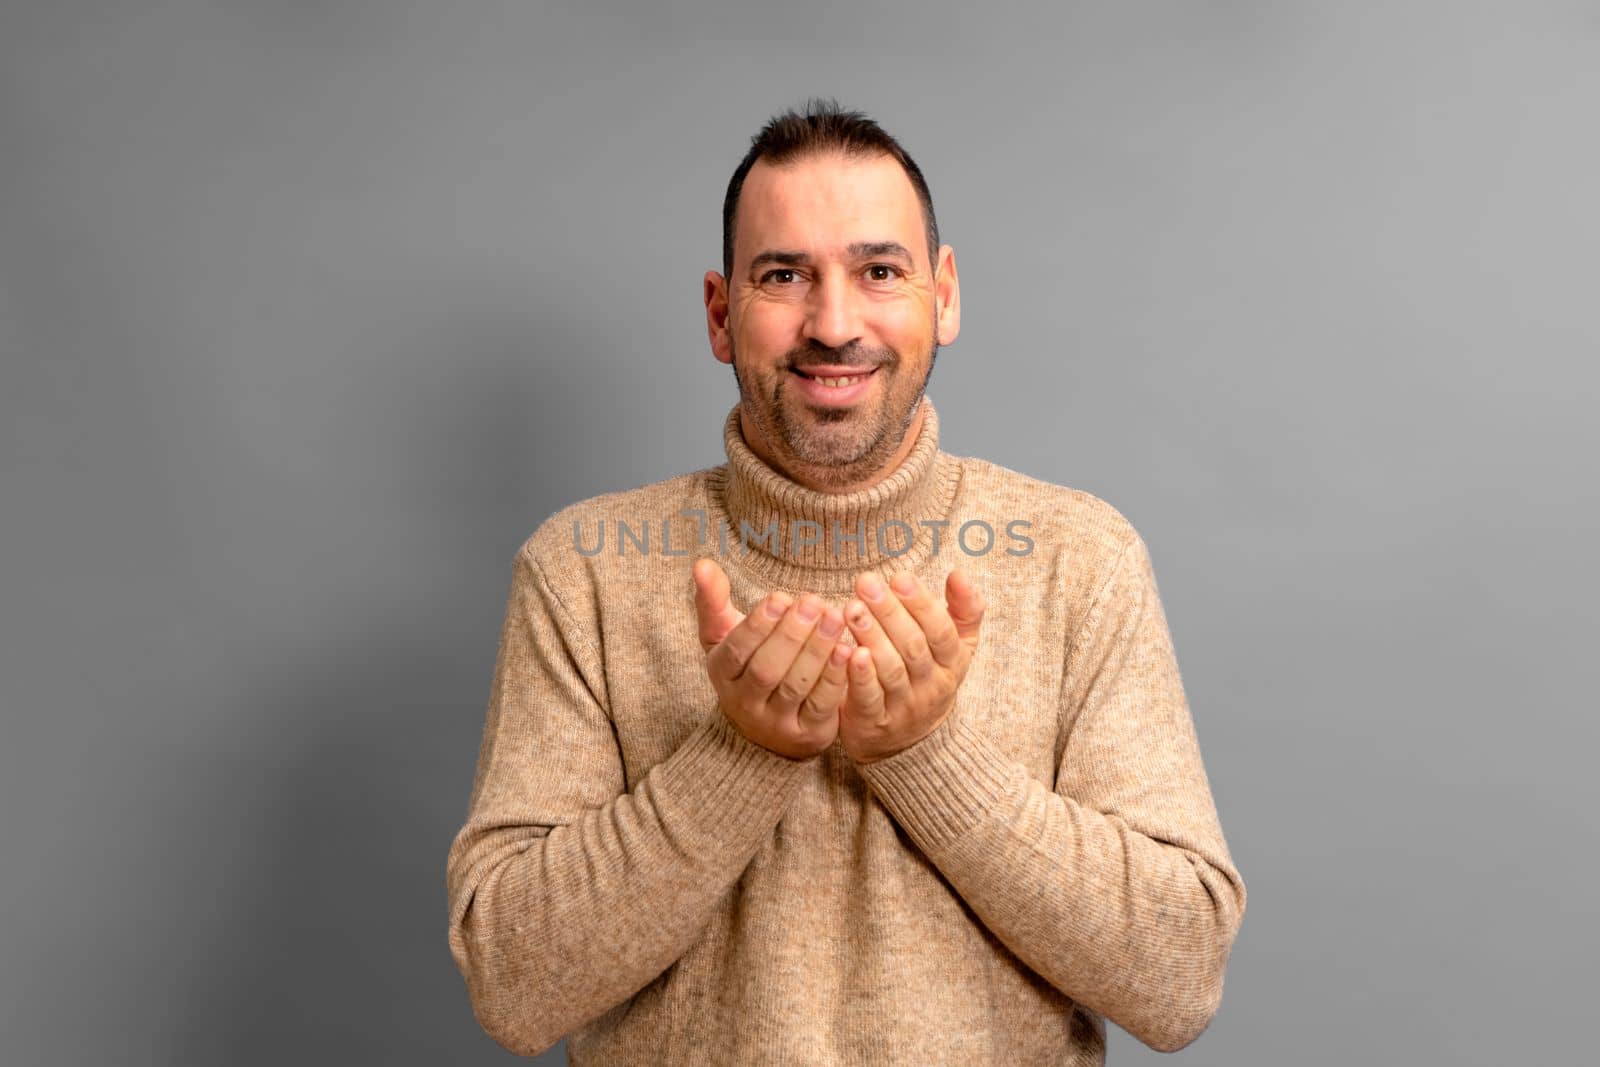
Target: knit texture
[637,876]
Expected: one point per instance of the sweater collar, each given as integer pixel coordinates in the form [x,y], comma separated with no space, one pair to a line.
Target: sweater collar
[878,528]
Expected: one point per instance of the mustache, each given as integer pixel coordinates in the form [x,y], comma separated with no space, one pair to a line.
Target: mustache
[854,354]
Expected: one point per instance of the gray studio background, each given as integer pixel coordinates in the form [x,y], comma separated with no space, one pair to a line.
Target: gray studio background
[311,312]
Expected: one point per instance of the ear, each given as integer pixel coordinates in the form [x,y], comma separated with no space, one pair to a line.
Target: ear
[716,287]
[947,296]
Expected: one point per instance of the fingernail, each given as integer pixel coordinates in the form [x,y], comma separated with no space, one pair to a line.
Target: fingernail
[776,608]
[904,584]
[871,588]
[808,609]
[831,624]
[859,615]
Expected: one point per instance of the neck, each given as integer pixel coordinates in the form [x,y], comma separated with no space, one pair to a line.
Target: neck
[820,539]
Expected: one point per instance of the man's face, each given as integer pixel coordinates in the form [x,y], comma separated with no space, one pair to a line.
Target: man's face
[832,315]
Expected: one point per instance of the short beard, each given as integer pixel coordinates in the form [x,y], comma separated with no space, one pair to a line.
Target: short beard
[830,460]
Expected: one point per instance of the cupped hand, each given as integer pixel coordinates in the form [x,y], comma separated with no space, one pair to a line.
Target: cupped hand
[779,672]
[912,657]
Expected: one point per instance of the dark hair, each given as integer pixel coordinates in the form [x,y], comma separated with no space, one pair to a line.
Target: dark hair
[824,127]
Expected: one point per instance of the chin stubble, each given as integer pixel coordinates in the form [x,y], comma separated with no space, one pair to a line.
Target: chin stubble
[823,457]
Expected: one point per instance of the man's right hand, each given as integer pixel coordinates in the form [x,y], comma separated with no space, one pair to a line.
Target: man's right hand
[781,672]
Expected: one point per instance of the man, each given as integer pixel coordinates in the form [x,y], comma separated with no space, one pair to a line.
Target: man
[809,762]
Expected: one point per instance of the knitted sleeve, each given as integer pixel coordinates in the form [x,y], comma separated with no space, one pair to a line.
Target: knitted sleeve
[566,893]
[1116,885]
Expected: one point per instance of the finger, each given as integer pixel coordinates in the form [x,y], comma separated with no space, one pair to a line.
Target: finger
[966,607]
[728,659]
[829,692]
[864,699]
[770,663]
[806,667]
[904,632]
[891,669]
[714,610]
[943,640]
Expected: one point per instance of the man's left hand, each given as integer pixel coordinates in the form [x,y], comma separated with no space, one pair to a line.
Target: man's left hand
[912,657]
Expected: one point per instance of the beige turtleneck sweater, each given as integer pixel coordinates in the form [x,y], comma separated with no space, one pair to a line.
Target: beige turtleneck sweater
[635,875]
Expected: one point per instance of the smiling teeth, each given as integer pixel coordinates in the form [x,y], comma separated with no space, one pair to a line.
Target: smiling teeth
[836,382]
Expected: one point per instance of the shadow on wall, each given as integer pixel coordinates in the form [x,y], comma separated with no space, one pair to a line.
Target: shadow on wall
[321,933]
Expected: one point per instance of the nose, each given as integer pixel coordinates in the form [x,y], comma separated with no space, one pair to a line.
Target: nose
[833,316]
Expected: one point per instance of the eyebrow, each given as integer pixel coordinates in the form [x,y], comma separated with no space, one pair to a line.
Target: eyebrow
[782,258]
[874,249]
[859,250]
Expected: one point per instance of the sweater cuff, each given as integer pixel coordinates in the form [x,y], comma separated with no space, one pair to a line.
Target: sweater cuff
[719,771]
[944,784]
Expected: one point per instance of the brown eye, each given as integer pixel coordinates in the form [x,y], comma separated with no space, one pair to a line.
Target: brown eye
[783,276]
[880,272]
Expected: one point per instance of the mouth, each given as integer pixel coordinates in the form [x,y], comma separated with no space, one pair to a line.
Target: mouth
[834,387]
[840,378]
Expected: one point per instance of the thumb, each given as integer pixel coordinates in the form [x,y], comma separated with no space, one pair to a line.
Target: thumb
[713,606]
[965,606]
